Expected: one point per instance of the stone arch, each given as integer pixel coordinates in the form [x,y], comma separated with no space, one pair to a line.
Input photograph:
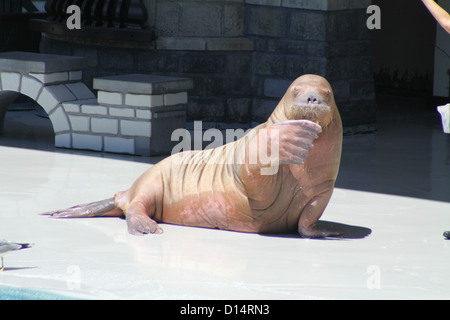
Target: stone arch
[49,96]
[6,98]
[131,113]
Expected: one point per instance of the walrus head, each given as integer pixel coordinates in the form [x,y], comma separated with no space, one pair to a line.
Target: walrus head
[309,97]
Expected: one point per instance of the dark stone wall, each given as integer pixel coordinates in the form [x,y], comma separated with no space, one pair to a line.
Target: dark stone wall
[244,85]
[333,44]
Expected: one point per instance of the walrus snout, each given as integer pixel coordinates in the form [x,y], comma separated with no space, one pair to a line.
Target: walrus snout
[310,105]
[309,97]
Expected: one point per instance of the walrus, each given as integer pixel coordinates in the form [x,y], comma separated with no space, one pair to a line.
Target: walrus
[237,186]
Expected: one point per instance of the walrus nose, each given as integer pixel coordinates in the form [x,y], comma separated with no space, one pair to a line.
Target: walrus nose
[310,98]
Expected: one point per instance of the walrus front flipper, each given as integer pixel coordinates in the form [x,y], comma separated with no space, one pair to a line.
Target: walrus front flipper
[104,208]
[287,142]
[295,138]
[138,221]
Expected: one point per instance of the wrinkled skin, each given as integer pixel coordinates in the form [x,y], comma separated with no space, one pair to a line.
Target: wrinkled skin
[235,187]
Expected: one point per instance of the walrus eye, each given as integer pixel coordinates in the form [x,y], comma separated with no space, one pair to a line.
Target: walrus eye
[295,91]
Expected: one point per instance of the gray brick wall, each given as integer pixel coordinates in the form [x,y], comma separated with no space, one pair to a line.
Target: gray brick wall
[120,119]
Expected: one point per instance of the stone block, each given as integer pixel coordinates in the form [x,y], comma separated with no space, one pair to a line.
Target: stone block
[262,109]
[276,88]
[26,62]
[347,4]
[75,75]
[71,107]
[59,120]
[87,141]
[174,43]
[142,84]
[94,109]
[135,128]
[11,81]
[119,145]
[344,25]
[233,20]
[167,19]
[204,63]
[206,109]
[30,87]
[270,64]
[308,25]
[322,5]
[200,19]
[142,146]
[237,86]
[51,96]
[171,99]
[141,100]
[238,109]
[229,44]
[63,140]
[122,112]
[169,114]
[297,66]
[80,91]
[308,4]
[117,59]
[105,125]
[90,53]
[48,78]
[112,98]
[75,106]
[143,114]
[79,123]
[264,2]
[164,121]
[240,62]
[267,21]
[158,61]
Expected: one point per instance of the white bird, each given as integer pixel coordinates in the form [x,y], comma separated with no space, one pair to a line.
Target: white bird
[6,247]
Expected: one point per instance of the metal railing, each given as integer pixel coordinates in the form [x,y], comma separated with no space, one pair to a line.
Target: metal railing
[16,6]
[101,13]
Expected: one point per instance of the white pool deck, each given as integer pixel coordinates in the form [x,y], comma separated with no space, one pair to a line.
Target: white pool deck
[405,255]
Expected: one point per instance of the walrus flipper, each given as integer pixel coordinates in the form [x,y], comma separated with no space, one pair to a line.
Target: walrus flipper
[295,138]
[311,214]
[104,208]
[138,221]
[287,142]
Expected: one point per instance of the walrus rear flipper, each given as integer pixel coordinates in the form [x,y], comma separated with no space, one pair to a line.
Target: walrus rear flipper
[104,208]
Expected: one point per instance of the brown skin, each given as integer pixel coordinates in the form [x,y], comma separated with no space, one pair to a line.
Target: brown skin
[228,188]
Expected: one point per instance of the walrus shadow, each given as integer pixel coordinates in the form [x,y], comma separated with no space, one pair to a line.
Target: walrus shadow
[347,231]
[6,269]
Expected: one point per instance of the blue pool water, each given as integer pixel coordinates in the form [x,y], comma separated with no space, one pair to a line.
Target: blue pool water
[17,293]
